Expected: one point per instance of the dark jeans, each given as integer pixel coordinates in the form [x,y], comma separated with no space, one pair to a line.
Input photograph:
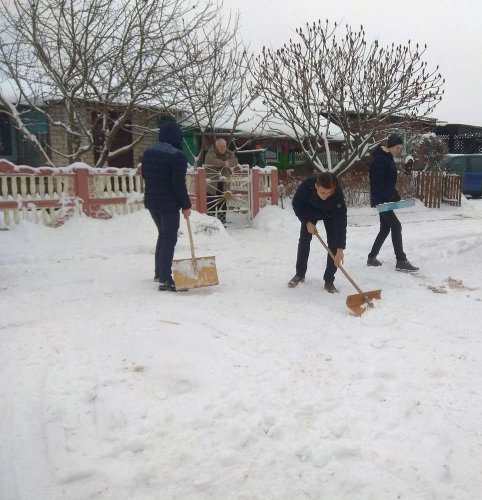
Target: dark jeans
[217,204]
[304,250]
[167,225]
[389,222]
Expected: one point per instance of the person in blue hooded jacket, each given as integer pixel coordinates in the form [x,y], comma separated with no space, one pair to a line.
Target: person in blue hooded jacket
[383,180]
[320,198]
[164,168]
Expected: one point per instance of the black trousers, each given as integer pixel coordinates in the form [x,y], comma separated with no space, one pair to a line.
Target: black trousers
[389,223]
[304,244]
[167,226]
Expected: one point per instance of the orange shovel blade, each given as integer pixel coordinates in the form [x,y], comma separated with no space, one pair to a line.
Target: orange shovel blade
[359,302]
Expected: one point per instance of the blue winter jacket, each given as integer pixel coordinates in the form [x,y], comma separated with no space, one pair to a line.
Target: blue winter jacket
[309,207]
[383,177]
[164,169]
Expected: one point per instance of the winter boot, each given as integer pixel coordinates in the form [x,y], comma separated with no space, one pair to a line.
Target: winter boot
[166,286]
[405,266]
[330,287]
[295,280]
[373,262]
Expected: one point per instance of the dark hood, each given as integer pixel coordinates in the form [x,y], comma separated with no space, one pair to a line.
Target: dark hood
[171,133]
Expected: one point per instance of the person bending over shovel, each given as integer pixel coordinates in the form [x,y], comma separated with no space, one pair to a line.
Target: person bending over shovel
[320,198]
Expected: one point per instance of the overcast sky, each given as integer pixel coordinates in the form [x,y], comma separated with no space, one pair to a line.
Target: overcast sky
[452,29]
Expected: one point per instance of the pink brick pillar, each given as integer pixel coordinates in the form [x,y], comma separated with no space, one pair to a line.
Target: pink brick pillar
[274,187]
[255,191]
[201,191]
[82,188]
[85,190]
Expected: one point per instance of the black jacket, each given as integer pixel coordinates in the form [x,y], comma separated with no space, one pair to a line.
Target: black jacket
[383,178]
[164,169]
[309,207]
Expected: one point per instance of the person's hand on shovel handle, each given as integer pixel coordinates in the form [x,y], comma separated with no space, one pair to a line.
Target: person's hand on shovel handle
[339,256]
[186,212]
[311,228]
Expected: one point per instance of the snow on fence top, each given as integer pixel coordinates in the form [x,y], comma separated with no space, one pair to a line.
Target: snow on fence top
[54,194]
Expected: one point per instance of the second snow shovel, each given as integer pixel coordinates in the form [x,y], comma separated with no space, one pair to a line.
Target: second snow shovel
[195,272]
[358,302]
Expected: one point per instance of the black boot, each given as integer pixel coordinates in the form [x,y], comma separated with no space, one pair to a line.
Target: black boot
[295,280]
[167,286]
[406,266]
[330,287]
[373,262]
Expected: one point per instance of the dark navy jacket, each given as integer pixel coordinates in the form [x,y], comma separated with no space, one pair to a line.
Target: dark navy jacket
[309,207]
[383,178]
[164,169]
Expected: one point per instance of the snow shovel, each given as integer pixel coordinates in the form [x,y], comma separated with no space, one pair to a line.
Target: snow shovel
[394,205]
[195,272]
[358,302]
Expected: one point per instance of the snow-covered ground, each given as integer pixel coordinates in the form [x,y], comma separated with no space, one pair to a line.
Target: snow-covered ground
[110,389]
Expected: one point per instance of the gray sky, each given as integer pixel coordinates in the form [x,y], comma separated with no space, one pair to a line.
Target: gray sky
[452,30]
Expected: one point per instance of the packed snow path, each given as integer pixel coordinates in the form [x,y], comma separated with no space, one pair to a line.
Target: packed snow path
[249,390]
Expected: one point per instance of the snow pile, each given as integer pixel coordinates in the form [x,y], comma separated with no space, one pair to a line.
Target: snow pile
[248,390]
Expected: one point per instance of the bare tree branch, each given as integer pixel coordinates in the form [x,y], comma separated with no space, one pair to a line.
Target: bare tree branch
[217,92]
[95,56]
[319,80]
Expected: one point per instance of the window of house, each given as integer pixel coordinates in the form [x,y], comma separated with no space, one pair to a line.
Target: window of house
[5,136]
[271,153]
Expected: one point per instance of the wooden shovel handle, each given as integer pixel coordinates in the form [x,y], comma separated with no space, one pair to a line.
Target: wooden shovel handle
[190,238]
[348,277]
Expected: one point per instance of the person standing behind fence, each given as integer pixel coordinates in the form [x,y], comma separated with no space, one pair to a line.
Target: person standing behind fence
[219,163]
[164,167]
[408,167]
[320,198]
[383,179]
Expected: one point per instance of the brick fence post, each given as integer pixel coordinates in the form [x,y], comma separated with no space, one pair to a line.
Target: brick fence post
[255,191]
[274,187]
[201,190]
[82,189]
[86,192]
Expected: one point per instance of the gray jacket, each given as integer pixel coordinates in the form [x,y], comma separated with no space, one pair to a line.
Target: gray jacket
[218,165]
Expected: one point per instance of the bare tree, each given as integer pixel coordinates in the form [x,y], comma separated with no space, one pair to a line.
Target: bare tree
[217,93]
[100,60]
[319,80]
[429,151]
